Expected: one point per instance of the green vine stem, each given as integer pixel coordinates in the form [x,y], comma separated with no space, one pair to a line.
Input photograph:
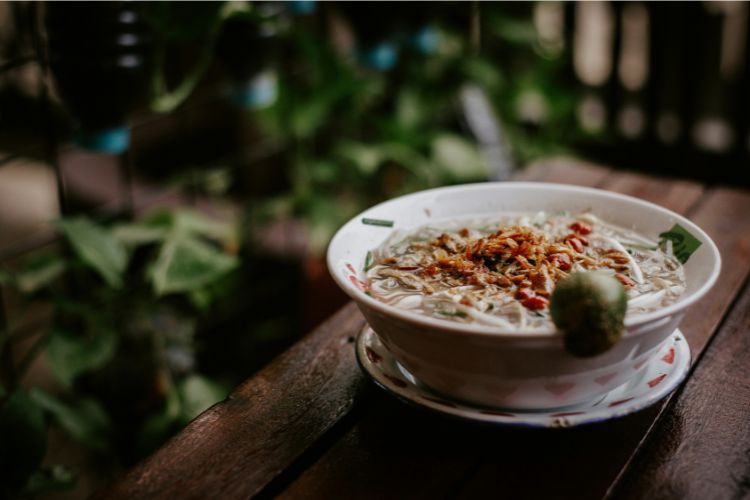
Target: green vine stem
[164,100]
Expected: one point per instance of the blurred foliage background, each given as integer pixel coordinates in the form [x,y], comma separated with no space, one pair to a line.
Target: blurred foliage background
[171,173]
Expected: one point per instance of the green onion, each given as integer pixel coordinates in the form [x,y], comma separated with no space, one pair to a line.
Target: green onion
[453,314]
[637,246]
[377,222]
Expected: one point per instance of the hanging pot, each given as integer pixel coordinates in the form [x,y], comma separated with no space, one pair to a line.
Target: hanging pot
[99,54]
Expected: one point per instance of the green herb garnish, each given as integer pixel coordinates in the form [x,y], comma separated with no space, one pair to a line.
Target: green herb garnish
[634,246]
[453,314]
[683,243]
[377,222]
[368,261]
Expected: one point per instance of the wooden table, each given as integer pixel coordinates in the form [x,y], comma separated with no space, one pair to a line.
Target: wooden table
[311,424]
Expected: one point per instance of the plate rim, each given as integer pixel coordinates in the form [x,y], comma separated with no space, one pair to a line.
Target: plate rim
[549,418]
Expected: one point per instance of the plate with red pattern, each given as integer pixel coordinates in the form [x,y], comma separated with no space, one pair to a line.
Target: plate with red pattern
[662,375]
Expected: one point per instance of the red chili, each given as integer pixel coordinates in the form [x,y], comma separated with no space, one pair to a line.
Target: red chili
[523,294]
[562,260]
[407,268]
[535,303]
[580,227]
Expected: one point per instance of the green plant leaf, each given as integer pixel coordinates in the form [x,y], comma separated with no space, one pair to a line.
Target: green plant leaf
[71,354]
[324,215]
[483,73]
[193,223]
[201,298]
[410,110]
[198,393]
[153,228]
[514,31]
[84,419]
[458,157]
[161,226]
[40,273]
[24,441]
[407,157]
[306,119]
[365,158]
[5,277]
[139,233]
[159,426]
[324,172]
[97,247]
[50,479]
[187,264]
[155,430]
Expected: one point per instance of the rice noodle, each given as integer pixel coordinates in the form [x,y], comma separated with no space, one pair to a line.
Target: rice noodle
[637,273]
[502,272]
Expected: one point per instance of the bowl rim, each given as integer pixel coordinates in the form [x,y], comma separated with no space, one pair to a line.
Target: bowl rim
[496,332]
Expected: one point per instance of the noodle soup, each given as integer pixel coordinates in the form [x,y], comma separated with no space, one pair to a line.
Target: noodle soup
[501,272]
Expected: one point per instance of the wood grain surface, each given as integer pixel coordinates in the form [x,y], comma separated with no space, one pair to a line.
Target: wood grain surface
[725,215]
[564,171]
[238,446]
[701,449]
[310,426]
[674,194]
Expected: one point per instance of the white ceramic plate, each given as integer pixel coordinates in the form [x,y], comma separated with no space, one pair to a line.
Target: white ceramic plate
[659,377]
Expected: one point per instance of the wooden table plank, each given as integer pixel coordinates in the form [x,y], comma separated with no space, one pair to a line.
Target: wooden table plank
[674,194]
[564,171]
[393,451]
[237,447]
[418,455]
[724,214]
[700,450]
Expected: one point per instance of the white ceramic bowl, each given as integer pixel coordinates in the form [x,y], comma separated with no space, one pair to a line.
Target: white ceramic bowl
[489,366]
